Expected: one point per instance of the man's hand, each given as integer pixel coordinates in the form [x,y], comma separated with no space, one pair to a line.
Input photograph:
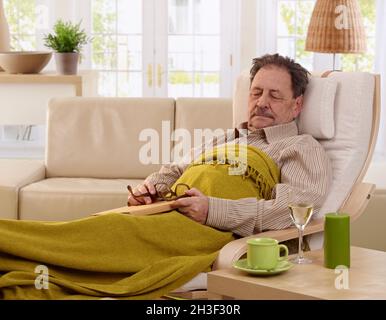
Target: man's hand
[138,190]
[195,207]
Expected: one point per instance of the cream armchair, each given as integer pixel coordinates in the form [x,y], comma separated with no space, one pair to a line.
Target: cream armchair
[356,123]
[356,114]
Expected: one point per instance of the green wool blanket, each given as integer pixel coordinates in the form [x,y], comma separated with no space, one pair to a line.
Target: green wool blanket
[123,256]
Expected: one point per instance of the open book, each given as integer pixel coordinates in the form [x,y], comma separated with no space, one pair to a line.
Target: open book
[143,210]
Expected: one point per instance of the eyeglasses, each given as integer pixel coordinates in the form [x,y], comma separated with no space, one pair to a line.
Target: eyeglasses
[163,192]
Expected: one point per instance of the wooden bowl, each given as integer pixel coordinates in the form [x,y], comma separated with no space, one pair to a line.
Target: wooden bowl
[24,61]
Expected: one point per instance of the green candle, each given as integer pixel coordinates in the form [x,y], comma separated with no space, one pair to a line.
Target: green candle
[336,240]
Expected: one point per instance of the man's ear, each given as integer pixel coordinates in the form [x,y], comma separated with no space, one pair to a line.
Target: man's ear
[298,105]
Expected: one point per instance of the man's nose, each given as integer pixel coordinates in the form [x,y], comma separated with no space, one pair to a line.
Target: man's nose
[263,101]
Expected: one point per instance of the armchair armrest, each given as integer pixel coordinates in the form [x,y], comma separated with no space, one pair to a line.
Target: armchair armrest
[15,174]
[354,205]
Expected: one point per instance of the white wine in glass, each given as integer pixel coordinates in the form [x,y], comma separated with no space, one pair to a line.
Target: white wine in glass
[301,214]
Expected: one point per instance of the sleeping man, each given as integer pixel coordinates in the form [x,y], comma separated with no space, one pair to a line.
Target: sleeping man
[144,257]
[275,100]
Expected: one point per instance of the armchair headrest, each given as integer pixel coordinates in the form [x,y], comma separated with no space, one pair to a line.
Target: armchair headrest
[317,116]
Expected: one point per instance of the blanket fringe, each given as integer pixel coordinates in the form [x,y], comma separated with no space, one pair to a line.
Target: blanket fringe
[248,173]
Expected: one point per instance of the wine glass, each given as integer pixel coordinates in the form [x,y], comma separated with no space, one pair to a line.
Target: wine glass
[300,212]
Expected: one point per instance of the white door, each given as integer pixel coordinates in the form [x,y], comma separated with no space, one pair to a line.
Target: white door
[116,49]
[193,49]
[163,48]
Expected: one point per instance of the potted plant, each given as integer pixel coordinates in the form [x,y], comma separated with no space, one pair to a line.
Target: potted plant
[67,42]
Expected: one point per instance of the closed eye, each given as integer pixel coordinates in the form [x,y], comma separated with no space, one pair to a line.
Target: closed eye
[276,95]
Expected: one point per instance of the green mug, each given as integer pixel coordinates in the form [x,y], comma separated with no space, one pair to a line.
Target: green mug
[264,253]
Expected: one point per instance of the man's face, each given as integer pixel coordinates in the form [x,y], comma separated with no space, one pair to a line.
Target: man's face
[271,100]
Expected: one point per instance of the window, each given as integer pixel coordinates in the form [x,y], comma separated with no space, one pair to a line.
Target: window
[159,48]
[293,20]
[117,46]
[194,48]
[21,17]
[140,47]
[364,61]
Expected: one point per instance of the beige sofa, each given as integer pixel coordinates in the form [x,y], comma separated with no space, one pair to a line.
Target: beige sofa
[92,153]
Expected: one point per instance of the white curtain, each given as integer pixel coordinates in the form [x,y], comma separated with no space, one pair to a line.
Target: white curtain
[380,67]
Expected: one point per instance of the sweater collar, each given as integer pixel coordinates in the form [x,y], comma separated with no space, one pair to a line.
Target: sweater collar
[274,133]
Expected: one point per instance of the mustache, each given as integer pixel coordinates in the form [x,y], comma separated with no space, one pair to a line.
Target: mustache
[262,113]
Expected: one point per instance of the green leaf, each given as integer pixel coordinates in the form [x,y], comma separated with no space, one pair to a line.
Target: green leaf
[67,37]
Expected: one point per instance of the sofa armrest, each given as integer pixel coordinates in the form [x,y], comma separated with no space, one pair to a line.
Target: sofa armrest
[15,174]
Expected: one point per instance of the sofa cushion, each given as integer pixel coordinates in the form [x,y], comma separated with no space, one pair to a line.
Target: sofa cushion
[100,137]
[59,199]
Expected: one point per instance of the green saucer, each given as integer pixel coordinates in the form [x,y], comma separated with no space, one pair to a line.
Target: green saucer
[281,267]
